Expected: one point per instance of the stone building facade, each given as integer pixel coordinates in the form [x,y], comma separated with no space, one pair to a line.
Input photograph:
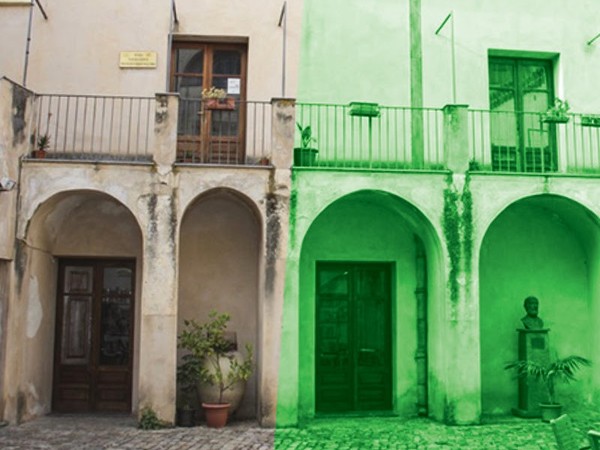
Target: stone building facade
[385,272]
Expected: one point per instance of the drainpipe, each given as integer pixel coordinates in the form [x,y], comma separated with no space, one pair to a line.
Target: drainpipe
[173,20]
[416,84]
[29,26]
[421,353]
[283,19]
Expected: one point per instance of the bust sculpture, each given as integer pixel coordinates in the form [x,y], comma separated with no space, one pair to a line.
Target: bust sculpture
[531,321]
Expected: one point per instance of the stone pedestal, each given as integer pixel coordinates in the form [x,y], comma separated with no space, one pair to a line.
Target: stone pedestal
[533,346]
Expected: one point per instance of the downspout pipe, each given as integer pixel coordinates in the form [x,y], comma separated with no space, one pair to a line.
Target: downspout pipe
[29,29]
[27,45]
[173,20]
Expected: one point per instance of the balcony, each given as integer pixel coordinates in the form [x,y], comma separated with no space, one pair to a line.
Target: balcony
[122,129]
[344,137]
[527,143]
[369,136]
[97,128]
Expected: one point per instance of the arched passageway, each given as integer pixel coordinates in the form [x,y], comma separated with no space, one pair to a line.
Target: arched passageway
[548,247]
[368,278]
[219,267]
[78,275]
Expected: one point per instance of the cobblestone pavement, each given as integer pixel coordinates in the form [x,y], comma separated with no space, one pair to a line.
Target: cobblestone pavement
[120,432]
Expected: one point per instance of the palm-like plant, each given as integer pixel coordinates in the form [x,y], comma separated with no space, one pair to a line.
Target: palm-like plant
[549,374]
[306,137]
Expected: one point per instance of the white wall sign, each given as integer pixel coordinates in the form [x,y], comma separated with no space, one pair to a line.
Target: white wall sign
[233,86]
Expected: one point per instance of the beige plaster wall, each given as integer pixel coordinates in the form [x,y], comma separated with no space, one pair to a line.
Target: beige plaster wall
[13,39]
[219,269]
[76,50]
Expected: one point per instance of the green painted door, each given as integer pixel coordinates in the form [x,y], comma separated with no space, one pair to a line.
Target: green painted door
[353,337]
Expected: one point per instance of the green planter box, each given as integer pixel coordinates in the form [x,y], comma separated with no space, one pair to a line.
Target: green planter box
[305,156]
[364,109]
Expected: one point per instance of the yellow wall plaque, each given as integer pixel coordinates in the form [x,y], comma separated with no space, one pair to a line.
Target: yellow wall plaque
[137,60]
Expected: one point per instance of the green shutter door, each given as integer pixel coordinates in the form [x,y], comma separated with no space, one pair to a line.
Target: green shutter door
[353,337]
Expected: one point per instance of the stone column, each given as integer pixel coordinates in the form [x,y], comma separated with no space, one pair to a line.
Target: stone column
[158,321]
[165,130]
[456,138]
[276,248]
[462,350]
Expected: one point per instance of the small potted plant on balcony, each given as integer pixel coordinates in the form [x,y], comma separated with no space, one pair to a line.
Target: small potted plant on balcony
[549,374]
[557,113]
[220,371]
[215,98]
[305,155]
[42,145]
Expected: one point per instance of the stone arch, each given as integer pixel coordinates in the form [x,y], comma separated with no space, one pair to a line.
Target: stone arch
[379,226]
[220,240]
[547,246]
[77,224]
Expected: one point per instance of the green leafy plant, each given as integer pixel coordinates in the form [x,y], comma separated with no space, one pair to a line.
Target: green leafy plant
[306,137]
[560,370]
[187,377]
[149,420]
[43,142]
[207,345]
[558,111]
[213,92]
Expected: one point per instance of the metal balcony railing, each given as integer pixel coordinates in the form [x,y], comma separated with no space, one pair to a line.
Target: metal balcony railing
[528,142]
[224,132]
[367,136]
[90,127]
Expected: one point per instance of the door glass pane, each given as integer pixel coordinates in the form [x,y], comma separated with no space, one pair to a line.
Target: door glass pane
[189,87]
[115,317]
[502,75]
[76,331]
[190,90]
[227,62]
[532,77]
[189,60]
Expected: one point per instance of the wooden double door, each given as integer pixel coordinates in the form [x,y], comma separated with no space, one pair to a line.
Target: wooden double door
[94,335]
[353,337]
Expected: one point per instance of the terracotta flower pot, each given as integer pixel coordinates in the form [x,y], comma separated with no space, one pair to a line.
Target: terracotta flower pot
[209,393]
[216,414]
[227,103]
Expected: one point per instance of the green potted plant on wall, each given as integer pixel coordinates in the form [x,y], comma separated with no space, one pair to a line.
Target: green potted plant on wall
[216,98]
[561,370]
[306,154]
[557,113]
[42,146]
[211,358]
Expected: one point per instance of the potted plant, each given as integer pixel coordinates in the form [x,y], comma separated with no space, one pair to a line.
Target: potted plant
[42,145]
[557,113]
[214,363]
[549,374]
[215,98]
[305,155]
